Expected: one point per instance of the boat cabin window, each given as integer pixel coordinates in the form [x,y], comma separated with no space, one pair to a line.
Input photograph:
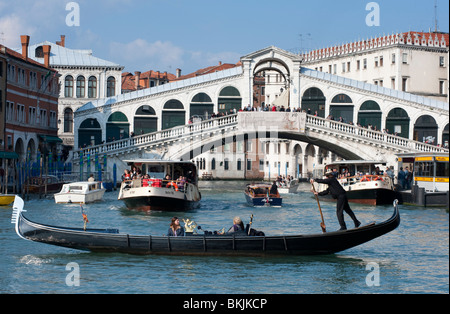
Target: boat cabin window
[442,169]
[424,169]
[156,171]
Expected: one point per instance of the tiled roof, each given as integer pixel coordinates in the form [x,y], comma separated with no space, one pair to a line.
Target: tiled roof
[62,56]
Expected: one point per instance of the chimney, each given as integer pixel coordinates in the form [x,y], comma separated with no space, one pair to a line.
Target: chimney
[178,73]
[25,42]
[137,78]
[46,49]
[62,43]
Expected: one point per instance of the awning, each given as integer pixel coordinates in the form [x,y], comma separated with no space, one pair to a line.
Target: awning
[50,138]
[8,155]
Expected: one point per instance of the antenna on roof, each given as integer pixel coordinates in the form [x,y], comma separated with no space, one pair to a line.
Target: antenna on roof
[435,17]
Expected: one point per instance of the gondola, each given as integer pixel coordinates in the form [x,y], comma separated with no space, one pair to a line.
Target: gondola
[111,240]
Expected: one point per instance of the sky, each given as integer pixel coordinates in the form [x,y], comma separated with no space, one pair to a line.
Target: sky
[163,35]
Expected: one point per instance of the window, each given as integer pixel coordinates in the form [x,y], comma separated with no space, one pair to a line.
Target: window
[261,165]
[226,164]
[92,87]
[111,87]
[381,61]
[442,87]
[376,61]
[364,64]
[68,120]
[53,119]
[20,113]
[393,83]
[43,115]
[348,66]
[343,67]
[32,115]
[249,164]
[404,82]
[334,68]
[393,58]
[239,165]
[358,65]
[68,86]
[405,58]
[81,83]
[442,62]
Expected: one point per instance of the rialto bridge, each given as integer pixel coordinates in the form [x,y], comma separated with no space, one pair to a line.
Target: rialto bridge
[157,121]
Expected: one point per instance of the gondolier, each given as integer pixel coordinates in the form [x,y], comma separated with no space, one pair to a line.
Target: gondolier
[337,192]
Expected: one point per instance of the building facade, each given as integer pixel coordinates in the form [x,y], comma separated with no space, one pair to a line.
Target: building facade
[413,62]
[31,104]
[83,77]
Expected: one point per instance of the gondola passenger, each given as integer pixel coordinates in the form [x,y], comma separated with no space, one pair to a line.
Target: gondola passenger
[175,230]
[238,225]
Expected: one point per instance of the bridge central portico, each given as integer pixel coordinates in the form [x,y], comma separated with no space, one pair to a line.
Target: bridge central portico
[192,140]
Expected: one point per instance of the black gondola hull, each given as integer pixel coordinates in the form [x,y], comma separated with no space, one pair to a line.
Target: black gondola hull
[110,240]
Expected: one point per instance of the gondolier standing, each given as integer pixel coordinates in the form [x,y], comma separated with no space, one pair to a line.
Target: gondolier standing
[338,193]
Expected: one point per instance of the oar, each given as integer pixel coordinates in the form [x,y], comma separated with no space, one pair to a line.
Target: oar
[322,224]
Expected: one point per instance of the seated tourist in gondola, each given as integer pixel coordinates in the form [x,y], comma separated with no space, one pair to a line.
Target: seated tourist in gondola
[238,225]
[175,230]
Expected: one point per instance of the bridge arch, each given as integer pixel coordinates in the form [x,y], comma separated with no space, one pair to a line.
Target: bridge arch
[426,130]
[201,105]
[397,122]
[145,120]
[342,106]
[369,113]
[117,126]
[229,99]
[173,114]
[90,133]
[313,100]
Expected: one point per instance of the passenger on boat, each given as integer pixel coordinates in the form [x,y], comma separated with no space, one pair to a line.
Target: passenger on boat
[274,188]
[126,175]
[337,192]
[175,230]
[238,225]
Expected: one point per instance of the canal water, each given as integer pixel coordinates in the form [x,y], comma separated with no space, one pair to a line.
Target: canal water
[412,259]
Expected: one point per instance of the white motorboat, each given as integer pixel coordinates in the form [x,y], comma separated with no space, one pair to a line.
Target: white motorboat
[287,187]
[163,185]
[80,192]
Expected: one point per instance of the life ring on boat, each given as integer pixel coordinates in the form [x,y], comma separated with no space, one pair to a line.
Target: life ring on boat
[172,184]
[378,178]
[365,178]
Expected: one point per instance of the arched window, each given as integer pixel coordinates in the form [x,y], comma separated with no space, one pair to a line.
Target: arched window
[92,87]
[173,114]
[81,84]
[111,87]
[68,120]
[229,99]
[68,86]
[314,100]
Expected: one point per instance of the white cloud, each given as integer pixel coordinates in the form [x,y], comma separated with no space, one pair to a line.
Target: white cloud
[11,27]
[158,55]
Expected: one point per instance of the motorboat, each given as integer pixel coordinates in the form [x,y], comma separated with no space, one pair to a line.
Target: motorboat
[163,185]
[82,192]
[287,187]
[213,244]
[259,194]
[363,182]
